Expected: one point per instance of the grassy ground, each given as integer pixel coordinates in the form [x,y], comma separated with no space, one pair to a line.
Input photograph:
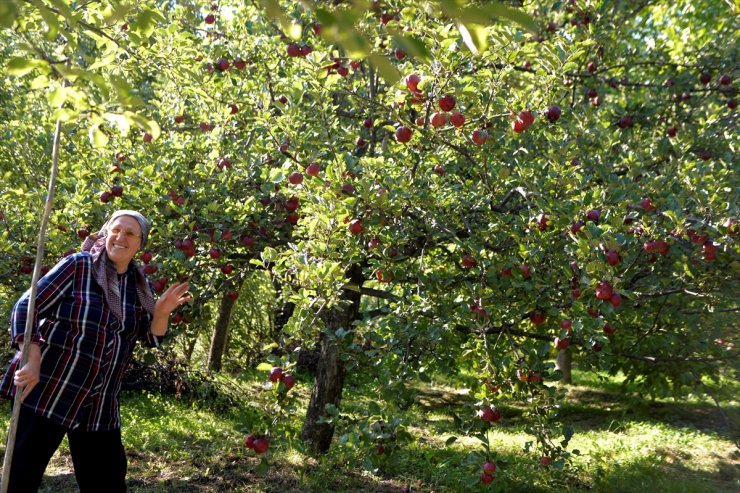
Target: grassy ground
[627,445]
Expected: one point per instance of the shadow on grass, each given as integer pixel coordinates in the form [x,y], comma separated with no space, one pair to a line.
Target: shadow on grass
[588,409]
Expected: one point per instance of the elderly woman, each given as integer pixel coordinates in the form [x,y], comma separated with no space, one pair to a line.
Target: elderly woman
[90,310]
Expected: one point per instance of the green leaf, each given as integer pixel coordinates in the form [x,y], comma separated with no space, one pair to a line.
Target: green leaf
[450,441]
[20,66]
[145,124]
[385,68]
[8,13]
[264,367]
[98,138]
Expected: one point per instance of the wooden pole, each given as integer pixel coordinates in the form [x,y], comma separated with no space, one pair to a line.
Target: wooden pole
[31,304]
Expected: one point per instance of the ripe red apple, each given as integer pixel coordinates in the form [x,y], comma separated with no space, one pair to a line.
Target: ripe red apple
[576,226]
[439,169]
[625,121]
[222,64]
[240,64]
[567,324]
[313,169]
[379,450]
[542,221]
[562,343]
[227,269]
[609,330]
[177,318]
[296,178]
[146,257]
[615,299]
[150,269]
[526,272]
[400,54]
[592,66]
[356,227]
[261,445]
[179,118]
[468,262]
[479,137]
[705,78]
[732,104]
[518,126]
[489,414]
[447,102]
[709,250]
[403,134]
[293,50]
[725,80]
[603,290]
[292,204]
[457,119]
[214,253]
[553,113]
[612,257]
[288,381]
[249,441]
[412,81]
[232,295]
[593,215]
[438,120]
[105,197]
[486,478]
[489,467]
[545,461]
[276,373]
[576,293]
[205,126]
[26,269]
[368,123]
[383,276]
[672,131]
[210,19]
[527,117]
[147,137]
[537,317]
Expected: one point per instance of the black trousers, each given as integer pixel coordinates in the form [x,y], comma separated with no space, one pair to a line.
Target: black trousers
[98,456]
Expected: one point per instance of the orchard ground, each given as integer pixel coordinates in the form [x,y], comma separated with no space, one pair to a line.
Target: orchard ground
[627,444]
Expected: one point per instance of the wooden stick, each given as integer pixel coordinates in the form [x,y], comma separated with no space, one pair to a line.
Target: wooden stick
[31,305]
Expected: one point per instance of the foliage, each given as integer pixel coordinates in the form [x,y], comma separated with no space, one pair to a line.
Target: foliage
[476,241]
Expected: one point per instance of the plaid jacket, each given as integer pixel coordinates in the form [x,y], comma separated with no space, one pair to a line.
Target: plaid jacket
[84,348]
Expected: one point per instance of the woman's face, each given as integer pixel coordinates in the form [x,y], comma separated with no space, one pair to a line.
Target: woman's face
[123,241]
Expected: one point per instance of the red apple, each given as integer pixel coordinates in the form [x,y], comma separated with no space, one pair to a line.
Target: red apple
[293,50]
[147,137]
[489,467]
[249,441]
[486,478]
[593,215]
[609,330]
[146,257]
[232,295]
[553,113]
[276,373]
[288,381]
[356,227]
[567,324]
[612,257]
[603,290]
[527,117]
[479,137]
[562,343]
[518,126]
[468,262]
[403,134]
[592,67]
[705,78]
[179,118]
[457,119]
[489,414]
[261,445]
[526,272]
[210,19]
[447,102]
[313,169]
[296,178]
[537,317]
[412,81]
[725,80]
[227,269]
[438,119]
[105,197]
[615,299]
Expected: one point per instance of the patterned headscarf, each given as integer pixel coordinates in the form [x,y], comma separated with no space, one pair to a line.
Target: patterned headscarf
[105,273]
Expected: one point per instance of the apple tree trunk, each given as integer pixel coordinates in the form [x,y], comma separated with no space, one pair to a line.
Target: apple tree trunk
[330,370]
[564,363]
[221,330]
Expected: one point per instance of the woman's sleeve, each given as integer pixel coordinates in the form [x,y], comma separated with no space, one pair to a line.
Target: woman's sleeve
[49,291]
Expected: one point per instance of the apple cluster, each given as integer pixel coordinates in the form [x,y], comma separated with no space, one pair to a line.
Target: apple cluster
[277,375]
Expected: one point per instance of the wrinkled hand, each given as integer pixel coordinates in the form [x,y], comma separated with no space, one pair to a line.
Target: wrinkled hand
[172,298]
[27,377]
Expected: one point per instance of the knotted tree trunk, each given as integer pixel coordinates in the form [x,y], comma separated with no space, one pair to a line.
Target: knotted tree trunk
[221,330]
[330,371]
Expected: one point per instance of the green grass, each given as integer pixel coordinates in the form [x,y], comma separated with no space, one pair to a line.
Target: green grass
[627,444]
